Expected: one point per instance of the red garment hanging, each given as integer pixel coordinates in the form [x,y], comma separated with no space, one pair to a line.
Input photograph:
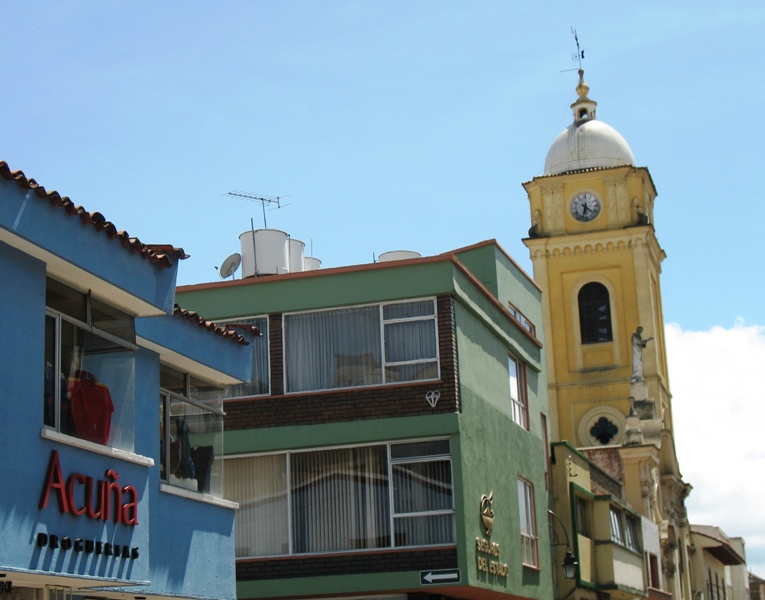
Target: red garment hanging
[91,408]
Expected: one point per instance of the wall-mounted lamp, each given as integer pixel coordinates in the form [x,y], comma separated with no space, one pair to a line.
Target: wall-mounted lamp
[569,562]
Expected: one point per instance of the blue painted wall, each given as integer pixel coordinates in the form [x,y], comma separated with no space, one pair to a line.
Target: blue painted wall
[185,546]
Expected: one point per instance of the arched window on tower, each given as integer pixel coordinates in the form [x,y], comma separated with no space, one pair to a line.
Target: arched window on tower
[595,313]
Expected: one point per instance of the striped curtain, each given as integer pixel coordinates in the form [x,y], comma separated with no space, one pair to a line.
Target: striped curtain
[340,499]
[259,485]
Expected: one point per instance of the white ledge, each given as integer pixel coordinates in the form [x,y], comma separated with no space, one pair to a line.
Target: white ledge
[69,440]
[199,497]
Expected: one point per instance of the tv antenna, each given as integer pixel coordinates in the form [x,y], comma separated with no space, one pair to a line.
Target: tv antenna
[264,200]
[577,56]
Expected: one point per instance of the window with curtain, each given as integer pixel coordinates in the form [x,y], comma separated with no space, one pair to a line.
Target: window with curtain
[527,514]
[361,345]
[343,499]
[595,314]
[261,374]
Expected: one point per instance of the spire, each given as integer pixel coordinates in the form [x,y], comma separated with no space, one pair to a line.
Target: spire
[583,108]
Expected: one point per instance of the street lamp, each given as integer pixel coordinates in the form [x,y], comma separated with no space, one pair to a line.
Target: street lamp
[569,562]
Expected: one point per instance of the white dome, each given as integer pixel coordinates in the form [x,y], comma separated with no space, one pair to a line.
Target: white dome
[586,145]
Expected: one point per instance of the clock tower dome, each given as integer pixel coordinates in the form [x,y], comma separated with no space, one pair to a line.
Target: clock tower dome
[598,261]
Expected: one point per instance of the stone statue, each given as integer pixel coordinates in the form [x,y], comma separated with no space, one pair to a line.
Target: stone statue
[535,227]
[642,218]
[638,343]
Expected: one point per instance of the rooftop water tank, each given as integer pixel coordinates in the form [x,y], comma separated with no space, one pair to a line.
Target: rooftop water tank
[264,252]
[397,255]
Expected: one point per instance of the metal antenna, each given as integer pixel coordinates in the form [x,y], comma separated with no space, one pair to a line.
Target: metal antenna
[577,56]
[258,198]
[579,51]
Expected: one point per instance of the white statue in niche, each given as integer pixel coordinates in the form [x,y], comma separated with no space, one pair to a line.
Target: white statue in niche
[638,343]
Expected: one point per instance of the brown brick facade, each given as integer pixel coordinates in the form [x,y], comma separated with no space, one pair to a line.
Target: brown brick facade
[608,462]
[387,561]
[350,404]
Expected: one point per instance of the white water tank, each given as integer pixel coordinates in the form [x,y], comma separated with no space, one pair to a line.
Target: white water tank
[311,264]
[264,252]
[297,253]
[397,255]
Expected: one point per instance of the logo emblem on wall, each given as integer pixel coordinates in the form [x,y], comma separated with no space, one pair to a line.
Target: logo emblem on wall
[487,513]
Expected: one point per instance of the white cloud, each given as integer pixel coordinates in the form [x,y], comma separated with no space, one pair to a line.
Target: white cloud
[717,378]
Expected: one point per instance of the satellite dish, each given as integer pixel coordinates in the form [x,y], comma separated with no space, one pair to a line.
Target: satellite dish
[230,265]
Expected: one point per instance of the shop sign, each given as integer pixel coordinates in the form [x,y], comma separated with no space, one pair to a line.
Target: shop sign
[487,564]
[81,495]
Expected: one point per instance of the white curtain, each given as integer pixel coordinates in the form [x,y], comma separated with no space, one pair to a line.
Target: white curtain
[331,349]
[259,485]
[260,383]
[421,488]
[340,499]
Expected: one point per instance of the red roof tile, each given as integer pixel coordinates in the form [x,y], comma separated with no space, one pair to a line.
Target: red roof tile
[225,331]
[159,254]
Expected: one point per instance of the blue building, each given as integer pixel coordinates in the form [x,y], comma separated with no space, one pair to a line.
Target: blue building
[112,428]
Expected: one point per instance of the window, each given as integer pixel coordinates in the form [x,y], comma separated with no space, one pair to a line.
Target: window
[545,450]
[631,529]
[528,523]
[191,432]
[617,529]
[89,375]
[518,398]
[362,345]
[521,318]
[343,499]
[652,570]
[625,528]
[261,379]
[595,314]
[582,517]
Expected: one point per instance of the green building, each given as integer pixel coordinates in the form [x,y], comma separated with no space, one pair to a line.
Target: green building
[392,442]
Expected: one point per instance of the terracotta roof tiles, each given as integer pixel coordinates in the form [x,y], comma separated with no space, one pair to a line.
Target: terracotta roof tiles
[160,255]
[226,331]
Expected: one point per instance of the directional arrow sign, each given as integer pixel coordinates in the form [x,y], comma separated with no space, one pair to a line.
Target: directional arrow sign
[439,576]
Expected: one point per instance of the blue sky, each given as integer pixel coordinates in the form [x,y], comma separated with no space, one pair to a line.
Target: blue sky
[407,125]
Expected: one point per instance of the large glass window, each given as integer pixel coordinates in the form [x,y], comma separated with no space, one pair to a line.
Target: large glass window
[595,313]
[261,377]
[191,432]
[518,396]
[527,514]
[362,345]
[89,373]
[343,499]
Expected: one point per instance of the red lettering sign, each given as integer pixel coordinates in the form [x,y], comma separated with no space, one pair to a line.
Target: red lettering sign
[81,495]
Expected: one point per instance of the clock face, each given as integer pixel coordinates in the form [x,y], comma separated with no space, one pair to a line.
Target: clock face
[585,207]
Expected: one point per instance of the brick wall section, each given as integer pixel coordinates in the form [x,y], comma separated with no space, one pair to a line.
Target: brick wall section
[388,561]
[350,404]
[606,460]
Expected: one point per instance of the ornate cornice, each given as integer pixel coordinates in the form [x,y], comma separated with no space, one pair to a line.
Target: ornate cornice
[597,243]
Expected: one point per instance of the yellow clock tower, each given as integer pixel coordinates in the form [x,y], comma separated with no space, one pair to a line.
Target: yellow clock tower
[596,256]
[597,259]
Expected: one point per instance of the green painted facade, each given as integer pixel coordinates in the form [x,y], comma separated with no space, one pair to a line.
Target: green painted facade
[489,451]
